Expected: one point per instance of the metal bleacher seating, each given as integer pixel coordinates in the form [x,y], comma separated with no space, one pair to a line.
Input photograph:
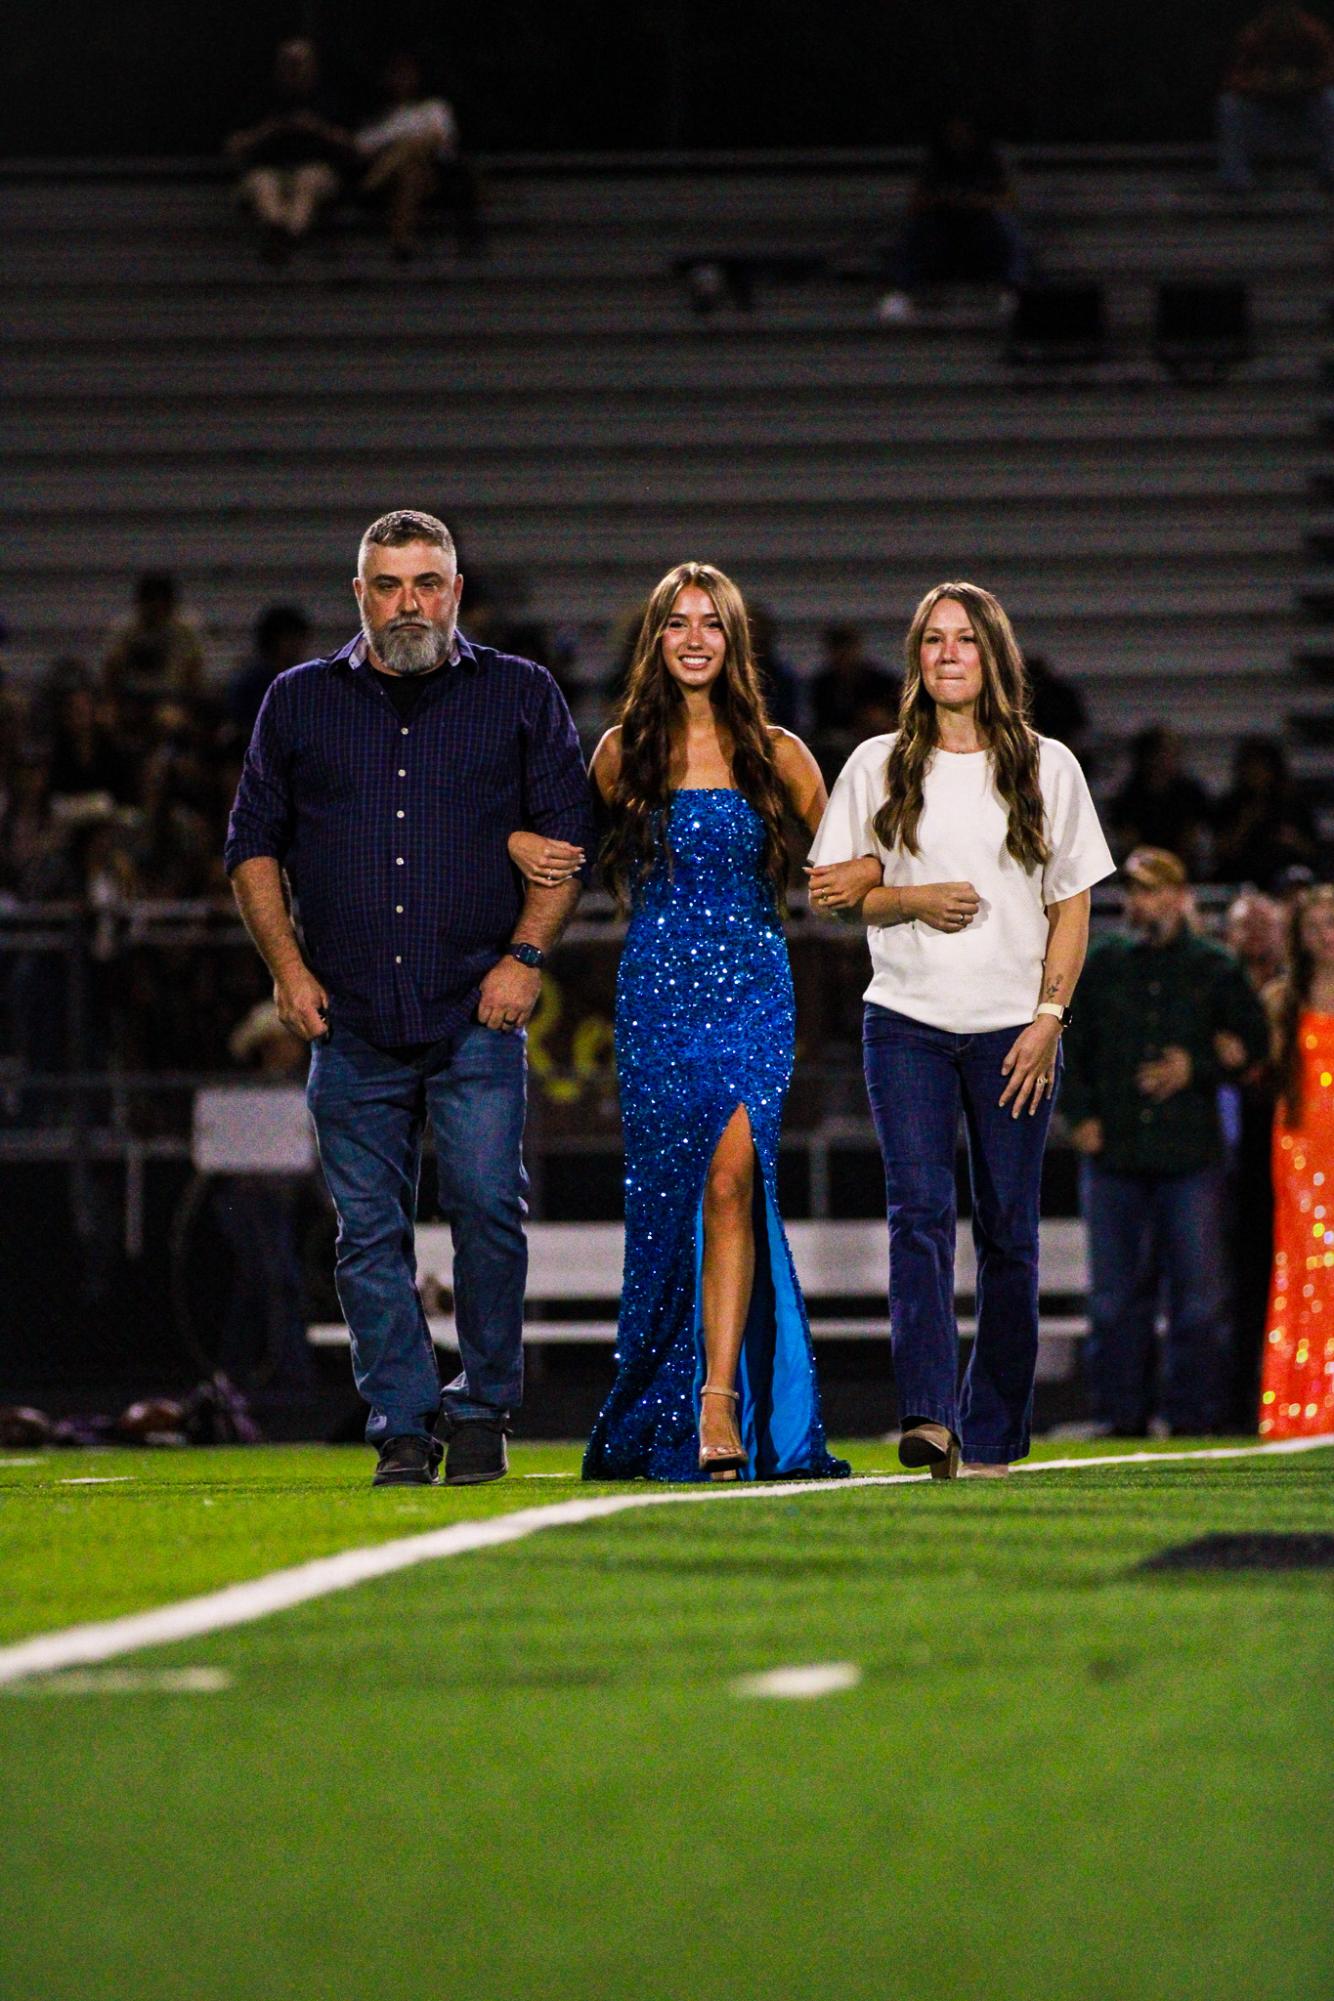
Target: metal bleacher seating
[173,403]
[575,1269]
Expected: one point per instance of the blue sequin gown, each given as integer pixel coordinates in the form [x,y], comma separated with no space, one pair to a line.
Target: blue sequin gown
[704,1023]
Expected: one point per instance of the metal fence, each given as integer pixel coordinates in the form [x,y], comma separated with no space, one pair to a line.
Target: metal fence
[114,1016]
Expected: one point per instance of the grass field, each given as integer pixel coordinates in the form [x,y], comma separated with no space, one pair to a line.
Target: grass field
[526,1771]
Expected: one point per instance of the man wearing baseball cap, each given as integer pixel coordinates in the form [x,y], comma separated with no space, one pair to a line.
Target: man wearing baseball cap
[1158,1008]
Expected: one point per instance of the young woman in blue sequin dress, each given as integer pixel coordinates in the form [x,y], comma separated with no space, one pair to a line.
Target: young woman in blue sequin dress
[715,1374]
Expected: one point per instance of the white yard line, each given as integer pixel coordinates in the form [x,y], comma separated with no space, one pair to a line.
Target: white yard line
[241,1604]
[128,1681]
[799,1684]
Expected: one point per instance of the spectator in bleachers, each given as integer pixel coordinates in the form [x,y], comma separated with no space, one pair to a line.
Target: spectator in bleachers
[173,848]
[88,754]
[1256,931]
[961,225]
[157,652]
[12,720]
[34,863]
[1278,97]
[1143,1067]
[782,690]
[282,640]
[1253,931]
[294,159]
[1262,824]
[852,697]
[1057,709]
[1161,804]
[1290,884]
[413,159]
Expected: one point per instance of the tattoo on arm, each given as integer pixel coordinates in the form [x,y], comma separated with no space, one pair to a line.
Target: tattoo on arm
[1052,990]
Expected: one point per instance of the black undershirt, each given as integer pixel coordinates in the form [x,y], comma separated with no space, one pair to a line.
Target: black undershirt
[406,690]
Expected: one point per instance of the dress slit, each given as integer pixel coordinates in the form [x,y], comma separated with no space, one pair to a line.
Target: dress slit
[773,1369]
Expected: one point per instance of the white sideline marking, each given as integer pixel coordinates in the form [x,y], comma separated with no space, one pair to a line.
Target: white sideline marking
[96,1480]
[241,1604]
[130,1681]
[800,1684]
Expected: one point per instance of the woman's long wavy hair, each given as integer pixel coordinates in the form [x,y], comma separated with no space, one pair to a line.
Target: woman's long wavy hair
[637,841]
[1002,720]
[1294,996]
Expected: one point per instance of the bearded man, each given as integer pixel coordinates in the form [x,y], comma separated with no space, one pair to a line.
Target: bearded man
[383,781]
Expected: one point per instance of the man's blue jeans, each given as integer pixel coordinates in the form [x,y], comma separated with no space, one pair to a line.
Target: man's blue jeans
[1151,1234]
[370,1107]
[919,1079]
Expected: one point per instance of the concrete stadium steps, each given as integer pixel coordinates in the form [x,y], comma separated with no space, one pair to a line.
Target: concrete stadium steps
[1117,642]
[644,195]
[584,584]
[1006,424]
[639,305]
[559,400]
[150,481]
[692,360]
[598,229]
[1236,546]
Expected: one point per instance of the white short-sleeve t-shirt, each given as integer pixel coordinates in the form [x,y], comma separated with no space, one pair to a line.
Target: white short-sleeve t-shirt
[988,975]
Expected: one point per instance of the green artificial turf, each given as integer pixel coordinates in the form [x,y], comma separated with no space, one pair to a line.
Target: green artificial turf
[524,1772]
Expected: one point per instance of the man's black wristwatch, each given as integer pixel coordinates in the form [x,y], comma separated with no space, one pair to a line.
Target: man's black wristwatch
[529,955]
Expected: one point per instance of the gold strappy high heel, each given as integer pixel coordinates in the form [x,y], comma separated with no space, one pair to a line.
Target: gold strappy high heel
[720,1462]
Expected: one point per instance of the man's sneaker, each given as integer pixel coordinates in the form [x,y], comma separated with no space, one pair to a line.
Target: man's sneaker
[409,1461]
[476,1453]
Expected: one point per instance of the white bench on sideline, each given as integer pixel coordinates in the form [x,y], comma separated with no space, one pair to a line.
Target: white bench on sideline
[580,1263]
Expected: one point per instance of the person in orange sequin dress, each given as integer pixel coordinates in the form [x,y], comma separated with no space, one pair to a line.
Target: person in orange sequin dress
[1297,1376]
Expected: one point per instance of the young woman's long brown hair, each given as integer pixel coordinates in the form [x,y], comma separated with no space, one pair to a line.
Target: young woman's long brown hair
[1293,996]
[637,840]
[1002,720]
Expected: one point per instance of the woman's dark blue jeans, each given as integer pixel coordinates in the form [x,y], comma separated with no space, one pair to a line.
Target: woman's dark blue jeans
[919,1079]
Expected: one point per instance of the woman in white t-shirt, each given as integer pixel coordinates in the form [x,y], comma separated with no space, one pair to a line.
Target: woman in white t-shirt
[988,845]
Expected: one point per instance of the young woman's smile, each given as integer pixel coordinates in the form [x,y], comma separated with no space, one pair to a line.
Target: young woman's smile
[694,645]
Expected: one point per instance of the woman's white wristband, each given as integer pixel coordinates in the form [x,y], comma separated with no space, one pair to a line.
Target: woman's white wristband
[1053,1008]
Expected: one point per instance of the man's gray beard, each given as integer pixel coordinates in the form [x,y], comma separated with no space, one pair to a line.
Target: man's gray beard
[411,649]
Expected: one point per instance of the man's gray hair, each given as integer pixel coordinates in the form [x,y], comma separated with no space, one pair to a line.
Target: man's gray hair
[405,524]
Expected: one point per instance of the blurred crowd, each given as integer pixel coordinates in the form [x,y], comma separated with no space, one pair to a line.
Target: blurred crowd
[402,161]
[116,778]
[963,223]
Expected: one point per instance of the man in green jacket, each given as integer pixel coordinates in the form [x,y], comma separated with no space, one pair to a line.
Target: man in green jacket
[1162,1017]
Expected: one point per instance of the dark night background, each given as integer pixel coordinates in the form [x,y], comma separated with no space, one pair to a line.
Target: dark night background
[143,77]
